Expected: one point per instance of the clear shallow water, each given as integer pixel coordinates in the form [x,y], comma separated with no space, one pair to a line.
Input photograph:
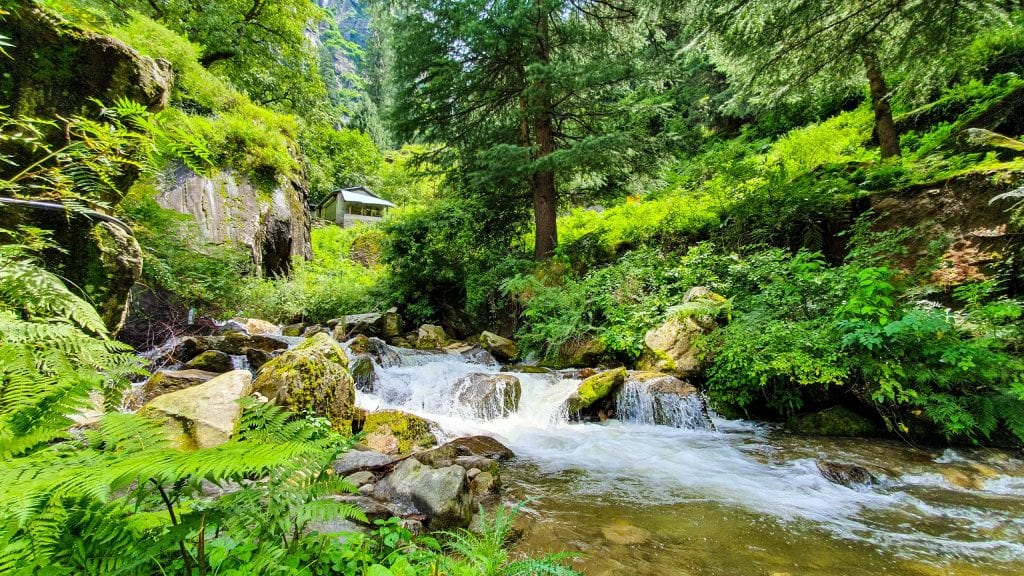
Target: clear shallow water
[739,499]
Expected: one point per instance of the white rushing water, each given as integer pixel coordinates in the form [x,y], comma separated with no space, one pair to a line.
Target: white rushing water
[733,463]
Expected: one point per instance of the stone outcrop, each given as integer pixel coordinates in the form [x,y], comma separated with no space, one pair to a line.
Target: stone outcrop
[55,68]
[274,227]
[501,348]
[205,415]
[312,377]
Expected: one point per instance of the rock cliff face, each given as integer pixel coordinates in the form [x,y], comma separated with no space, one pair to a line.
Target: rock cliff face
[274,227]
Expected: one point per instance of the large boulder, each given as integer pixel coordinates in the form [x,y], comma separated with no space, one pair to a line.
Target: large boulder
[383,324]
[670,347]
[376,349]
[442,494]
[430,337]
[488,396]
[656,398]
[595,393]
[167,381]
[395,432]
[834,421]
[203,416]
[503,349]
[312,377]
[273,227]
[239,343]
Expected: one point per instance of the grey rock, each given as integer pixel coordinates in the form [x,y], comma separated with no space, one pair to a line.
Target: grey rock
[357,460]
[440,493]
[360,478]
[849,475]
[211,361]
[488,396]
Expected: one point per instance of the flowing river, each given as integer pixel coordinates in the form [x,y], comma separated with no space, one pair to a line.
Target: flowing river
[722,497]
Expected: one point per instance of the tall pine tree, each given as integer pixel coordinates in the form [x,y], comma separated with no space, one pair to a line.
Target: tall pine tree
[780,48]
[527,93]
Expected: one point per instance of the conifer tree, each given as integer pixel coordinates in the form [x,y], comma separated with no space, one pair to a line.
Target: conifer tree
[779,48]
[526,91]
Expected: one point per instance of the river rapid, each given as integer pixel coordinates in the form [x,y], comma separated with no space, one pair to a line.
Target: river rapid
[722,497]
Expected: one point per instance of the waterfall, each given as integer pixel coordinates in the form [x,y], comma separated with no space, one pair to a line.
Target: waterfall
[650,401]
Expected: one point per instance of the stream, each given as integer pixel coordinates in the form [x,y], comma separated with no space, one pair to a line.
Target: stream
[720,497]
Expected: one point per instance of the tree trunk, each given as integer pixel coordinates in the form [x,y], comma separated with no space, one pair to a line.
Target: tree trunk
[885,127]
[545,201]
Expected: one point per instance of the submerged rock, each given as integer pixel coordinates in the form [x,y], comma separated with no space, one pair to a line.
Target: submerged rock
[363,372]
[503,349]
[203,416]
[211,361]
[656,398]
[488,396]
[395,432]
[312,377]
[849,475]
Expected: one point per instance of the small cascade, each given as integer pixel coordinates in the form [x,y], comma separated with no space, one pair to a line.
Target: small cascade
[240,362]
[664,400]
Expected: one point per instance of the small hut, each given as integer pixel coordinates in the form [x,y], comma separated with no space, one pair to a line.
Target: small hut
[348,206]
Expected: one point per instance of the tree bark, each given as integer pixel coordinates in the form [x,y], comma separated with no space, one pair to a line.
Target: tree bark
[885,127]
[545,200]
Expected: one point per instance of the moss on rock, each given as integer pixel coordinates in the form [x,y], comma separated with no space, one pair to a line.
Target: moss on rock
[313,377]
[596,388]
[397,432]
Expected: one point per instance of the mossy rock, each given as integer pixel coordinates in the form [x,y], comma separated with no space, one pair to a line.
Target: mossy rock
[211,361]
[834,421]
[596,388]
[583,354]
[313,377]
[395,432]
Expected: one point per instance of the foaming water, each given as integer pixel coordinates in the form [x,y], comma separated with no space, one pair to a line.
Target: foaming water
[734,474]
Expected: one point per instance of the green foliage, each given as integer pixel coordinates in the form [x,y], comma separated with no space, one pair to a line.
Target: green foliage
[330,286]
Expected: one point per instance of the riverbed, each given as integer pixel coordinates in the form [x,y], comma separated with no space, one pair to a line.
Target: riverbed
[724,497]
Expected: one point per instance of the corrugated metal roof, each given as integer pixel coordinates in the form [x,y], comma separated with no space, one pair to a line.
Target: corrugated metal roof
[363,196]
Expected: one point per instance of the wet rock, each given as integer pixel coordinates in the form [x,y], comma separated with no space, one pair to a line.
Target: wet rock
[526,369]
[395,432]
[656,398]
[312,377]
[257,358]
[293,330]
[470,446]
[503,349]
[834,421]
[357,460]
[477,463]
[477,355]
[211,361]
[440,493]
[167,381]
[238,343]
[363,372]
[849,475]
[203,416]
[430,337]
[596,388]
[488,396]
[376,349]
[960,479]
[186,349]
